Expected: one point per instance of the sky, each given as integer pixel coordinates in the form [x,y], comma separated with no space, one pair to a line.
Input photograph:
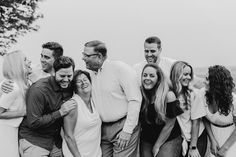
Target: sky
[201,32]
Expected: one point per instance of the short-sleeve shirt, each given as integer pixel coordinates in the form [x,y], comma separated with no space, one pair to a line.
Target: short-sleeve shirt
[151,130]
[199,105]
[185,119]
[201,109]
[12,101]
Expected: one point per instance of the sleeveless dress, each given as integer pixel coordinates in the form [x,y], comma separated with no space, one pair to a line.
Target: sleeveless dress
[87,131]
[220,133]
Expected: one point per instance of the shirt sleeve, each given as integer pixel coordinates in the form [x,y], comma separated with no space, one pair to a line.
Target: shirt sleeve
[36,116]
[129,84]
[173,109]
[198,105]
[7,99]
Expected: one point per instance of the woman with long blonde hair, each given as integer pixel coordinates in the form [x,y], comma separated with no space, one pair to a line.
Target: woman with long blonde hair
[194,136]
[16,67]
[160,136]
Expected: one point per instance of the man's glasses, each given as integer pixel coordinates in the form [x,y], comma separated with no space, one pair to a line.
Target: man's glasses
[87,55]
[152,51]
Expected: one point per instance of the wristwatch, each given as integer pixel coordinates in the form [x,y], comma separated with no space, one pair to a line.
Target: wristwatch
[193,147]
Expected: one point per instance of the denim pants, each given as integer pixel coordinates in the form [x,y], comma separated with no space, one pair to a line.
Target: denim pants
[109,139]
[170,148]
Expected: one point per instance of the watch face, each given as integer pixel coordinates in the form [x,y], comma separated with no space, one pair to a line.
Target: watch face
[193,147]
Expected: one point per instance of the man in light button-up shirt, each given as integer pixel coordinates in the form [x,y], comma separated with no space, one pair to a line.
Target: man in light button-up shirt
[117,98]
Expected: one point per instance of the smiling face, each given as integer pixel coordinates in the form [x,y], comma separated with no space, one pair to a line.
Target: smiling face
[186,76]
[151,52]
[83,84]
[64,76]
[149,78]
[91,59]
[47,60]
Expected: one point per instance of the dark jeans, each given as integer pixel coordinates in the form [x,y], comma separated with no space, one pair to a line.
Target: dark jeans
[168,149]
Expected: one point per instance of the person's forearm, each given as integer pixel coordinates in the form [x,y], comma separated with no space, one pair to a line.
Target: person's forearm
[132,116]
[194,132]
[12,114]
[208,129]
[71,143]
[165,132]
[43,121]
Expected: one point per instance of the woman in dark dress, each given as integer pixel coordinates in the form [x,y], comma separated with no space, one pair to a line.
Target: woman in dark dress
[161,134]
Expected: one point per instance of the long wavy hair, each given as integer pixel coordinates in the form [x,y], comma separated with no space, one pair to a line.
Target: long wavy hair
[158,92]
[176,74]
[220,89]
[13,68]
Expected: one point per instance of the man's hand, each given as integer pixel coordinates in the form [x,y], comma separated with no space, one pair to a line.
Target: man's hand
[67,106]
[123,139]
[7,86]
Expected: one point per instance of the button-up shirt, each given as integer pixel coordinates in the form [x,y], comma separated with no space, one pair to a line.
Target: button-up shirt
[43,122]
[116,93]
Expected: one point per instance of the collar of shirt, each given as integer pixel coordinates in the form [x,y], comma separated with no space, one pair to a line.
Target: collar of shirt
[102,67]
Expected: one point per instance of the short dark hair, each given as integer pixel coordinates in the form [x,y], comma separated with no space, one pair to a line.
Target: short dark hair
[55,47]
[154,39]
[98,47]
[63,62]
[78,73]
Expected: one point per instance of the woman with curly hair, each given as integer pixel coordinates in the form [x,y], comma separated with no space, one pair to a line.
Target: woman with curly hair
[161,134]
[217,103]
[194,137]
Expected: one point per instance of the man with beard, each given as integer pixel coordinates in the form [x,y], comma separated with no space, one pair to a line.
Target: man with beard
[47,101]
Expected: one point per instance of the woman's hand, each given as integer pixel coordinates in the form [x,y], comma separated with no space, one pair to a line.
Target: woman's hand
[155,150]
[214,147]
[221,153]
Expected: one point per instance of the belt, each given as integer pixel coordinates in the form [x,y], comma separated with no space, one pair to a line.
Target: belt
[110,123]
[222,126]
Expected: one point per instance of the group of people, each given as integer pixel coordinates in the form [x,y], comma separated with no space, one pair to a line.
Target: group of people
[157,108]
